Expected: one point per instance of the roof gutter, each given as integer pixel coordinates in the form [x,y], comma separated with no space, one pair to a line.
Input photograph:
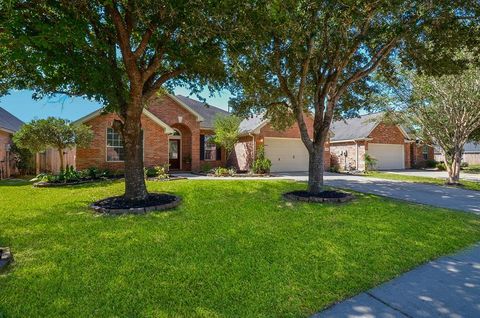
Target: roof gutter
[350,140]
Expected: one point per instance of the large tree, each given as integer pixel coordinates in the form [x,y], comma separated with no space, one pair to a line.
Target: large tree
[445,111]
[119,52]
[315,58]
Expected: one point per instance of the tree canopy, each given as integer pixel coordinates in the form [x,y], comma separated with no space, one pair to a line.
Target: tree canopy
[57,133]
[227,131]
[317,57]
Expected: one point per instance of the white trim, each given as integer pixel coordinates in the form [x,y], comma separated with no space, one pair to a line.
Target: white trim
[98,112]
[7,130]
[106,146]
[179,151]
[204,148]
[178,101]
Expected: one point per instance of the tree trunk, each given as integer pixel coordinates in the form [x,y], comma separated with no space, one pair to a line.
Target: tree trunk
[453,168]
[60,153]
[135,187]
[316,169]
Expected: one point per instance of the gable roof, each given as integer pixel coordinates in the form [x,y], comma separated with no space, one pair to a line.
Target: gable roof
[358,127]
[98,112]
[8,122]
[252,124]
[206,111]
[471,147]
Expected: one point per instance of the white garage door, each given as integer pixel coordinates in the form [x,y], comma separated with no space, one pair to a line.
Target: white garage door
[388,156]
[286,154]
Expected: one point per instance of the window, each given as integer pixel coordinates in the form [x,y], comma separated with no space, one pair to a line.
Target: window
[114,146]
[210,148]
[425,152]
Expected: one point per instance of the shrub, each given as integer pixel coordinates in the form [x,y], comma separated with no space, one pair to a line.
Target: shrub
[334,168]
[206,167]
[430,163]
[370,162]
[160,172]
[464,165]
[441,166]
[261,164]
[220,171]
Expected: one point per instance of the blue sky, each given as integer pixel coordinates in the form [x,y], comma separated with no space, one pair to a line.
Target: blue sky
[21,104]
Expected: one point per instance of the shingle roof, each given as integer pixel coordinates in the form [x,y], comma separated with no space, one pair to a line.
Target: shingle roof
[8,121]
[208,112]
[471,148]
[355,128]
[249,124]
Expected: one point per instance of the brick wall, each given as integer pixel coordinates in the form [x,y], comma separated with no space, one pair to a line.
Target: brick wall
[155,145]
[416,153]
[390,134]
[5,169]
[355,154]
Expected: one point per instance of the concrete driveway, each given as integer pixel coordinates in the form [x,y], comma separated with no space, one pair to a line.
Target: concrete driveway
[439,196]
[434,174]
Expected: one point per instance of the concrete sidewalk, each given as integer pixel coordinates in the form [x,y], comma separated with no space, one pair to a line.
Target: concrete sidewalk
[446,287]
[435,174]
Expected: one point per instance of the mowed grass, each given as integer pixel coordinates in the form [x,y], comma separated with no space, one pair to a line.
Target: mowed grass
[471,169]
[465,184]
[232,249]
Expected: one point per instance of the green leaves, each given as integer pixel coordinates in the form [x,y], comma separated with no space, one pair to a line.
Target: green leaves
[227,131]
[53,132]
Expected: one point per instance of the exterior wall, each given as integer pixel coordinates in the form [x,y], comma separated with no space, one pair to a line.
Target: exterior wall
[416,151]
[355,159]
[470,158]
[242,156]
[390,134]
[7,168]
[155,140]
[174,115]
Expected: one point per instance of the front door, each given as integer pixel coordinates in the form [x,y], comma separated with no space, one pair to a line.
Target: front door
[174,154]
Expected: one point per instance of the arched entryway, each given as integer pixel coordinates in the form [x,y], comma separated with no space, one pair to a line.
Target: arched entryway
[180,148]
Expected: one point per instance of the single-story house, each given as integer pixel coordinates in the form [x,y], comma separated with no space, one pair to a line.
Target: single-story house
[176,129]
[471,154]
[9,124]
[389,144]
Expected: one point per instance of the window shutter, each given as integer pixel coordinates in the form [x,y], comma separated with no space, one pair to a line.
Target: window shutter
[219,153]
[202,147]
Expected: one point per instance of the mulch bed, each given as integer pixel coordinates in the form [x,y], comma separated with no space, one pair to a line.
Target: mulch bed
[5,257]
[44,184]
[120,205]
[236,175]
[324,196]
[171,178]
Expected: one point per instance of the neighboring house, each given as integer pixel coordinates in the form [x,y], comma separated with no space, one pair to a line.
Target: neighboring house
[285,149]
[471,154]
[389,144]
[176,129]
[9,124]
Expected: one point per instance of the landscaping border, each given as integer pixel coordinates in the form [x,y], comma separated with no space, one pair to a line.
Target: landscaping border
[6,257]
[141,210]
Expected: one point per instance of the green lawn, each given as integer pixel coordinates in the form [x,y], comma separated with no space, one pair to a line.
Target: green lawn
[471,169]
[233,249]
[470,185]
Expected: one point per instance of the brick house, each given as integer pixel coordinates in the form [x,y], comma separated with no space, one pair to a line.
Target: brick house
[176,129]
[9,124]
[389,144]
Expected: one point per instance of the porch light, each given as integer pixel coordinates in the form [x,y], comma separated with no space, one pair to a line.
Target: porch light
[180,119]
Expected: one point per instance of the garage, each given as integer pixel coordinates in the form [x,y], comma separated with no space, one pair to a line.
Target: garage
[388,156]
[286,154]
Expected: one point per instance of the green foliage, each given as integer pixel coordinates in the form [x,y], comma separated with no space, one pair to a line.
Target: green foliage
[430,163]
[159,172]
[227,131]
[40,134]
[24,159]
[205,167]
[261,164]
[222,172]
[441,166]
[370,162]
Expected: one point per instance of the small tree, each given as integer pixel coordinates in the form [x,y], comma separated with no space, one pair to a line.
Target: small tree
[445,110]
[227,132]
[38,135]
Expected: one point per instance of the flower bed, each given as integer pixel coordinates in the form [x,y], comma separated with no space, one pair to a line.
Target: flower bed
[324,196]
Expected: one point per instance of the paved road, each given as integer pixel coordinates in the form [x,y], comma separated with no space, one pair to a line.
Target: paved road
[447,287]
[435,174]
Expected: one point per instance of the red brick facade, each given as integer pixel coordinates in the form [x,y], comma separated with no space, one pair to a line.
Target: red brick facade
[6,166]
[155,138]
